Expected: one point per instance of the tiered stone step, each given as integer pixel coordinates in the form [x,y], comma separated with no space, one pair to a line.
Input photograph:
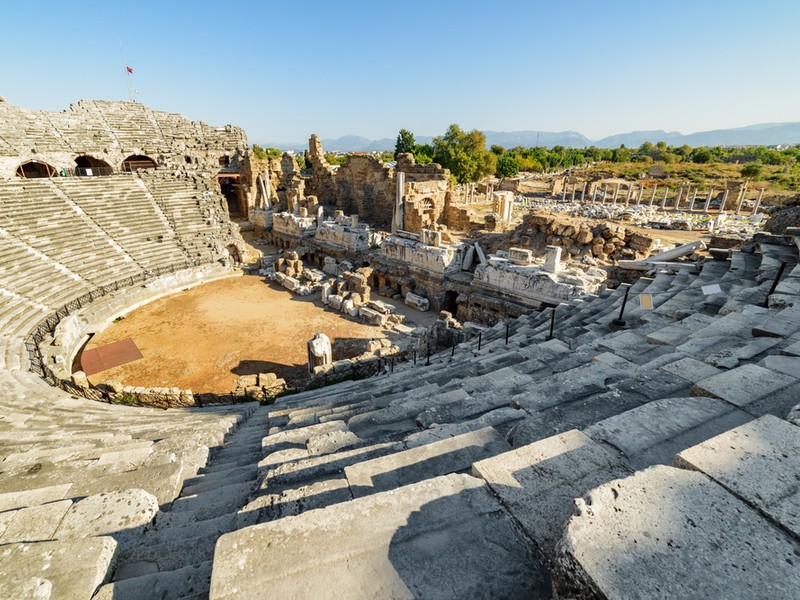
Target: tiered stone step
[732,526]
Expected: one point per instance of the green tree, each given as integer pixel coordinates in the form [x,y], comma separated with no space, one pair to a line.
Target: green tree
[464,153]
[701,155]
[423,154]
[647,148]
[498,150]
[621,154]
[507,166]
[751,170]
[405,142]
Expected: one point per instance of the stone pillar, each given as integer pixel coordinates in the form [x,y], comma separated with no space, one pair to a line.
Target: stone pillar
[678,198]
[564,191]
[397,217]
[694,197]
[574,185]
[594,194]
[664,199]
[320,216]
[552,262]
[708,200]
[264,195]
[603,199]
[741,198]
[319,351]
[269,187]
[724,200]
[628,195]
[653,197]
[639,195]
[758,200]
[616,192]
[583,191]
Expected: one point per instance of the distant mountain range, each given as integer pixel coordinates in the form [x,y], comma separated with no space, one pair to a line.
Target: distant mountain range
[765,134]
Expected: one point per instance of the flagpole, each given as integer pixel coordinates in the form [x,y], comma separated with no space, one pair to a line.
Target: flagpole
[127,72]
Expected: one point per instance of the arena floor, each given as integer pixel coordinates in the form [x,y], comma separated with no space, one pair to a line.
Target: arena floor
[206,337]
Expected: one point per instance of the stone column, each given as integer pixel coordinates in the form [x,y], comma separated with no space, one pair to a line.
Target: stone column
[708,200]
[583,191]
[758,200]
[639,195]
[397,217]
[603,199]
[616,192]
[664,199]
[552,262]
[724,200]
[653,197]
[678,198]
[594,194]
[628,195]
[741,198]
[574,185]
[694,196]
[269,187]
[319,351]
[564,191]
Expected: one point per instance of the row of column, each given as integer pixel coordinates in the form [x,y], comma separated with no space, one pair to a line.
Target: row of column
[634,197]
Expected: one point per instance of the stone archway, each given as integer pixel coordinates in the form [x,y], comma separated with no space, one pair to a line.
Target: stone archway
[138,161]
[89,166]
[34,169]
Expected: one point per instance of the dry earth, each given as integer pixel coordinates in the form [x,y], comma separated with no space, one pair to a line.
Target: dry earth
[204,338]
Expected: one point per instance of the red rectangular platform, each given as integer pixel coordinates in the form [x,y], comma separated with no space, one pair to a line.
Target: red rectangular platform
[109,356]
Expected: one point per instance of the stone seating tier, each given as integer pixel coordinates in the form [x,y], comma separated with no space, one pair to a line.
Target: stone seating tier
[453,479]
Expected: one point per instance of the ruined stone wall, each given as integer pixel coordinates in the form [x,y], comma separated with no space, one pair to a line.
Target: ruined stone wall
[425,193]
[322,183]
[603,242]
[366,187]
[112,131]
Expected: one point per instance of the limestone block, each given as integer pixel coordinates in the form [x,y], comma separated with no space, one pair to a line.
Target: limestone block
[349,307]
[126,514]
[759,462]
[520,256]
[329,266]
[290,283]
[418,302]
[382,307]
[335,301]
[553,260]
[79,379]
[75,568]
[442,538]
[373,317]
[326,292]
[671,533]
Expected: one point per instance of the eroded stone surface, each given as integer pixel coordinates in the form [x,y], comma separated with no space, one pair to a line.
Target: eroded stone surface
[442,538]
[670,533]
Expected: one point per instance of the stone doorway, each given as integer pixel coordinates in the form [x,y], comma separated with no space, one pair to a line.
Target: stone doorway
[230,190]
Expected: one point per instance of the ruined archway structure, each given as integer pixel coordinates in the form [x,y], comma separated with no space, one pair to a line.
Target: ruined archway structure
[105,134]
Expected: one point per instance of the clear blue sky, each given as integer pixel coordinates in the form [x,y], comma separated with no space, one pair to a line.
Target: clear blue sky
[283,70]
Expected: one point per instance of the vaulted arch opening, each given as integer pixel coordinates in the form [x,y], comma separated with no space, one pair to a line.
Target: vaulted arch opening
[138,161]
[89,166]
[34,169]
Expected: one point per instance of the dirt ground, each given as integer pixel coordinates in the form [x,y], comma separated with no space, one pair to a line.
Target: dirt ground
[206,337]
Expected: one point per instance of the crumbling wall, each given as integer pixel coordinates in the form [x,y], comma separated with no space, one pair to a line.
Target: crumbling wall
[365,186]
[603,242]
[425,193]
[322,183]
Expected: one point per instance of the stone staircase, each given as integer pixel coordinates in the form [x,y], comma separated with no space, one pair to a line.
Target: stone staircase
[655,460]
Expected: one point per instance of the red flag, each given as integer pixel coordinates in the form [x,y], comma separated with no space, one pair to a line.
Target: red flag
[129,69]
